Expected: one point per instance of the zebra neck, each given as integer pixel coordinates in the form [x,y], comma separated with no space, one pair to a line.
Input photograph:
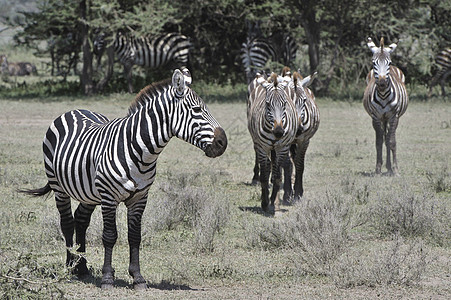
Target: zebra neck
[149,131]
[384,94]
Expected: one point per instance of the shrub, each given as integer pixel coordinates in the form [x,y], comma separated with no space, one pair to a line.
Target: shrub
[315,230]
[394,262]
[401,211]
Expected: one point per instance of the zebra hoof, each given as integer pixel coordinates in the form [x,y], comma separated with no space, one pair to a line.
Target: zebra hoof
[106,286]
[255,182]
[107,283]
[140,286]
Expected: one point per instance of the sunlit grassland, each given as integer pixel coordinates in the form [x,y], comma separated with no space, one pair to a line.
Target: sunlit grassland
[386,236]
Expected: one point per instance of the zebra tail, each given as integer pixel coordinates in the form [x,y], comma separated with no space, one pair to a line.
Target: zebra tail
[37,192]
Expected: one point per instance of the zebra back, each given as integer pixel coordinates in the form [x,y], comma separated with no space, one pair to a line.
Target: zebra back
[153,52]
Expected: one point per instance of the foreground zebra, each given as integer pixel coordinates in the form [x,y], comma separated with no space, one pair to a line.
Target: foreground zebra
[272,123]
[308,123]
[102,162]
[170,48]
[385,100]
[443,60]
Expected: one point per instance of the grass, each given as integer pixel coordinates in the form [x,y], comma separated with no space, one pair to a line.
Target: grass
[355,235]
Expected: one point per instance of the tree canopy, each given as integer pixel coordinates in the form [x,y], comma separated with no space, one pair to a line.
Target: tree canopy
[331,35]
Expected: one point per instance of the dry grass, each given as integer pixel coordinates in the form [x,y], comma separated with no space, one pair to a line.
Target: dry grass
[355,235]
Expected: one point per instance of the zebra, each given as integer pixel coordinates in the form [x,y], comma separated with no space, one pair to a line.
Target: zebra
[272,123]
[443,60]
[308,123]
[101,162]
[257,51]
[385,100]
[169,48]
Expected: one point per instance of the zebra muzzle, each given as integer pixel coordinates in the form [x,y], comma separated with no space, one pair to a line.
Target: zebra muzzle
[278,130]
[219,144]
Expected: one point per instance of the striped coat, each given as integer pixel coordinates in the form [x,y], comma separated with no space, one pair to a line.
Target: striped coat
[272,123]
[308,123]
[168,49]
[101,162]
[385,100]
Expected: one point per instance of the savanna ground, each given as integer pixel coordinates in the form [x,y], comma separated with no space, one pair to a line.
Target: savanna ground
[354,236]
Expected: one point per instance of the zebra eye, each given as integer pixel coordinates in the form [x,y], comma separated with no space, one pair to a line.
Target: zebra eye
[197,109]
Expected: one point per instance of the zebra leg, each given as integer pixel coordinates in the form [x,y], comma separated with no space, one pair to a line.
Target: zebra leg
[379,141]
[288,173]
[391,146]
[109,238]
[265,169]
[255,179]
[134,215]
[278,158]
[299,164]
[63,203]
[82,219]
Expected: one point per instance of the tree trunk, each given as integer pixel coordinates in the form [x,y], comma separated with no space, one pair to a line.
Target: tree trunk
[86,76]
[109,72]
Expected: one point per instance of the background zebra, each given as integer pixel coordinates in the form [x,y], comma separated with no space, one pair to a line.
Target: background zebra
[168,49]
[308,123]
[443,61]
[385,100]
[102,162]
[257,51]
[272,123]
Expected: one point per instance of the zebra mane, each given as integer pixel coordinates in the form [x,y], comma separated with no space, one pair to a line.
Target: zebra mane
[273,79]
[148,93]
[297,77]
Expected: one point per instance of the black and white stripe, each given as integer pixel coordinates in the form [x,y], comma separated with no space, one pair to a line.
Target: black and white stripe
[257,51]
[308,123]
[272,123]
[443,61]
[385,100]
[167,49]
[101,162]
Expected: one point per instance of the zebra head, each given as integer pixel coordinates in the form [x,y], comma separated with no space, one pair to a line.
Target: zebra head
[300,85]
[193,122]
[276,101]
[381,62]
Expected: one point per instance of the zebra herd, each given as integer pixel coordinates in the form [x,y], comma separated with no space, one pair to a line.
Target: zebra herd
[105,162]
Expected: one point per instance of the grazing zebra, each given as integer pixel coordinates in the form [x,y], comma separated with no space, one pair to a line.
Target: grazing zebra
[257,51]
[308,123]
[385,100]
[272,123]
[170,48]
[443,60]
[102,162]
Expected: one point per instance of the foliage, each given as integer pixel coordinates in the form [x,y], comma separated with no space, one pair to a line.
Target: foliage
[331,34]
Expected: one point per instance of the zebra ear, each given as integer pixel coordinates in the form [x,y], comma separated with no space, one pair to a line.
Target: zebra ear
[372,46]
[178,82]
[308,80]
[391,48]
[262,81]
